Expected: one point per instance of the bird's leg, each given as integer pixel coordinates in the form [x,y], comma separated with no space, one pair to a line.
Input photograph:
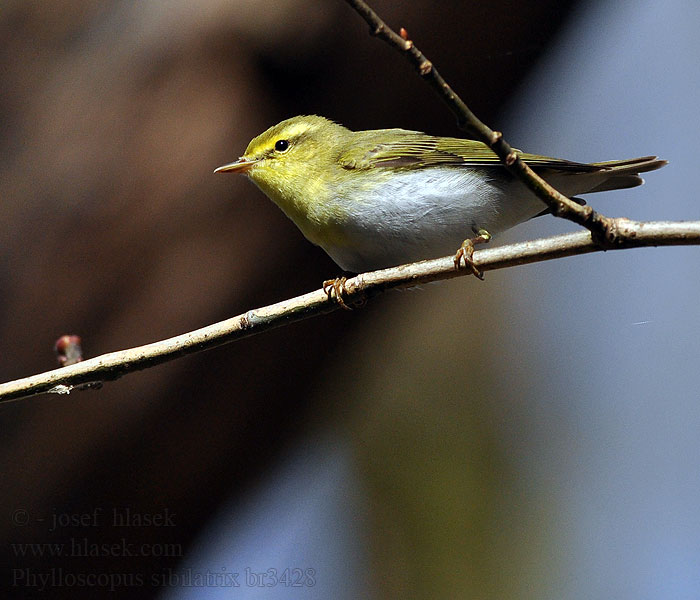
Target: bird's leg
[336,287]
[466,251]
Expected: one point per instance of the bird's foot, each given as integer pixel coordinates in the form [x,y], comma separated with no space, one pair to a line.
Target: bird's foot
[336,288]
[464,256]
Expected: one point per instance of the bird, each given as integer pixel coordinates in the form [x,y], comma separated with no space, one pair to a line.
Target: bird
[379,198]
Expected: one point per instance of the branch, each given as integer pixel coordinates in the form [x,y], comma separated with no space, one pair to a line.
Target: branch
[601,227]
[108,367]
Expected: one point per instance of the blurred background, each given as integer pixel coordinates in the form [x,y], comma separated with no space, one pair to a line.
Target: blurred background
[531,436]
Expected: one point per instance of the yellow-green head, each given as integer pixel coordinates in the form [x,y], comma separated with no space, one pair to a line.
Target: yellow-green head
[294,162]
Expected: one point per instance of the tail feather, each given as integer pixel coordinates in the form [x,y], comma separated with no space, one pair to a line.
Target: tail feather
[638,165]
[623,174]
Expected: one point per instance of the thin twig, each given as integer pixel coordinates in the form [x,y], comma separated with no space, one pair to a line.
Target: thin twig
[560,206]
[108,367]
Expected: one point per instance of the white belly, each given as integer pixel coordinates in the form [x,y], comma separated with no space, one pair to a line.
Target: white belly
[425,214]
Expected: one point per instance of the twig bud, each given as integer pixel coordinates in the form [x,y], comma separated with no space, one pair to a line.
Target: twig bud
[68,350]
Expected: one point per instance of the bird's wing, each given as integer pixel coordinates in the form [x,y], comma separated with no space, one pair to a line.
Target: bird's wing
[401,149]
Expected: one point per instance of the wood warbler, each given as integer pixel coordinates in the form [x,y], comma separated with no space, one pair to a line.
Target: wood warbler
[375,199]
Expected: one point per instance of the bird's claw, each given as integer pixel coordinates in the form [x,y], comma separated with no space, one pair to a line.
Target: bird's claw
[463,258]
[465,253]
[336,287]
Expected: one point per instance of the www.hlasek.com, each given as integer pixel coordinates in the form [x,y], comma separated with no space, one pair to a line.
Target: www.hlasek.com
[84,548]
[58,577]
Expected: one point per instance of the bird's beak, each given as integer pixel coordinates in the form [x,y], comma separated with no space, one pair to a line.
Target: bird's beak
[242,165]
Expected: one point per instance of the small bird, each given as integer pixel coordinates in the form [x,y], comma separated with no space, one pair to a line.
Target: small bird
[376,199]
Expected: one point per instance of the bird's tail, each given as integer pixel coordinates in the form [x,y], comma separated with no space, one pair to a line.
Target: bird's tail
[623,174]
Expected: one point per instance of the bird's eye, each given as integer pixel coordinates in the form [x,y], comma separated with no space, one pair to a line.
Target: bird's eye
[281,145]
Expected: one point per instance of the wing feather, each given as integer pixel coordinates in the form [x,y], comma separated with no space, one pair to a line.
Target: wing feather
[402,149]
